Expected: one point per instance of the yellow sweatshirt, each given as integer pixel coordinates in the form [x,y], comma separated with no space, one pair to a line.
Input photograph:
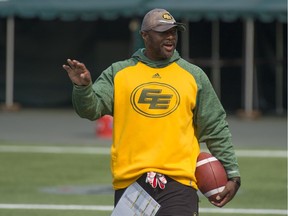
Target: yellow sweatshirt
[162,111]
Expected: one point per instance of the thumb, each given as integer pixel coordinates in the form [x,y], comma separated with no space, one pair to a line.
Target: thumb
[86,77]
[222,194]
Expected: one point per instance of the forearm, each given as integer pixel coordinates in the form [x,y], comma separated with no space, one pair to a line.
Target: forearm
[222,149]
[212,128]
[85,102]
[219,143]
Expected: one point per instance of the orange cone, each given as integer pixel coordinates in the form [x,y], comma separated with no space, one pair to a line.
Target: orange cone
[104,127]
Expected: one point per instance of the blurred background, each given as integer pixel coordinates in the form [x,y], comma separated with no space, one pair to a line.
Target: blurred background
[241,45]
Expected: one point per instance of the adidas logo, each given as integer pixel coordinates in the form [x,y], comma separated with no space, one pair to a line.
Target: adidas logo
[157,75]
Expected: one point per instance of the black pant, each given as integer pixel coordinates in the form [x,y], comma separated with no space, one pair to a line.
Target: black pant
[176,199]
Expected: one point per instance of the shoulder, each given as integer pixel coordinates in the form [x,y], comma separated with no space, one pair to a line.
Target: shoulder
[197,72]
[194,69]
[120,65]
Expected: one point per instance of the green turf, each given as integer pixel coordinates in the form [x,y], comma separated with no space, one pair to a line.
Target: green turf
[52,213]
[23,175]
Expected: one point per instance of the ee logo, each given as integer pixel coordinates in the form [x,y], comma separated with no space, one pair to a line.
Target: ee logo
[155,99]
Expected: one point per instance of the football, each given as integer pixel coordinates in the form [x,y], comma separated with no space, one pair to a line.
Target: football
[210,175]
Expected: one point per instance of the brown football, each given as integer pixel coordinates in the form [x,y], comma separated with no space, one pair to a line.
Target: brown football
[211,176]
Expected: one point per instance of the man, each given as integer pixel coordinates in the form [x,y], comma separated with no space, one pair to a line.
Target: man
[163,108]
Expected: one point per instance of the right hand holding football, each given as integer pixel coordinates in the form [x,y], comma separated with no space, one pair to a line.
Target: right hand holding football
[227,194]
[78,72]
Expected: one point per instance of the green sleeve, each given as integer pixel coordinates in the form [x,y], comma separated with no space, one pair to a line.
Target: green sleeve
[94,101]
[212,127]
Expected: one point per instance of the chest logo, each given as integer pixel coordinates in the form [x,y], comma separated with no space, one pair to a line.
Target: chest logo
[155,100]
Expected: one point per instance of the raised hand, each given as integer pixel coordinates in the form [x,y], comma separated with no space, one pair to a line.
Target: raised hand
[78,72]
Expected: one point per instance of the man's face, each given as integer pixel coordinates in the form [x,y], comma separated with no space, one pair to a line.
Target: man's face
[160,45]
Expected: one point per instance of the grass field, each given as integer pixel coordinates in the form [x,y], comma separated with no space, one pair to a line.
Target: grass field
[83,179]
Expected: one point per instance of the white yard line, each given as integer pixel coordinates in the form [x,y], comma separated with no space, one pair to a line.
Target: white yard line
[262,153]
[106,151]
[55,149]
[110,208]
[57,207]
[245,211]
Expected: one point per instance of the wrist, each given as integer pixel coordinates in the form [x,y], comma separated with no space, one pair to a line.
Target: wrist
[81,86]
[236,180]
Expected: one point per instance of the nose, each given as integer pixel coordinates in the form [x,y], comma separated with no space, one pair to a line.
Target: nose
[171,34]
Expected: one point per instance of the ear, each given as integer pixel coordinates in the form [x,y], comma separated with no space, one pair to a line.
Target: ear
[144,35]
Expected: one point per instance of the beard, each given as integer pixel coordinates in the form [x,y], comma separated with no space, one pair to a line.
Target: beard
[161,52]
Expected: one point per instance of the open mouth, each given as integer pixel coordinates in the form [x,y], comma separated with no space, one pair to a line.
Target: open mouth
[169,47]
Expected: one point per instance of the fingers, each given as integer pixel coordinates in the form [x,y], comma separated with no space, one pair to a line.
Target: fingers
[75,66]
[221,203]
[222,198]
[227,194]
[66,67]
[77,72]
